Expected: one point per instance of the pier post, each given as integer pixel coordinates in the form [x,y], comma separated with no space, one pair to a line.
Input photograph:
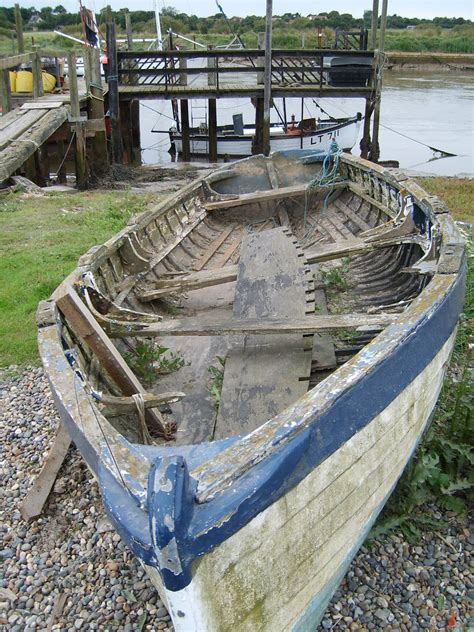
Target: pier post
[374,154]
[211,64]
[212,130]
[260,46]
[128,29]
[257,142]
[114,107]
[5,91]
[95,107]
[38,90]
[374,25]
[267,85]
[19,29]
[186,149]
[78,125]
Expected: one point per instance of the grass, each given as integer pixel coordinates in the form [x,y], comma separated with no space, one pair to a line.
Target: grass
[458,193]
[41,239]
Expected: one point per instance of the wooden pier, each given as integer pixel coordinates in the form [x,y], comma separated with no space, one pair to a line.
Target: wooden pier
[76,118]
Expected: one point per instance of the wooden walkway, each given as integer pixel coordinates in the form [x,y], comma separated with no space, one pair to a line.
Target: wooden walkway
[24,129]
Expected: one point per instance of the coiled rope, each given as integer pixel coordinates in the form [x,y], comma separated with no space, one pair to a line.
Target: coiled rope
[327,176]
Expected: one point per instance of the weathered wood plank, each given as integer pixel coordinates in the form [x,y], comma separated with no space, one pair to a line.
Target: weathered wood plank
[352,215]
[268,196]
[219,327]
[263,373]
[21,149]
[34,501]
[87,329]
[192,281]
[21,124]
[213,247]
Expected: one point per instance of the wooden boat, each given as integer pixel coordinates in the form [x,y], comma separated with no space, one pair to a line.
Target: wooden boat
[309,134]
[334,302]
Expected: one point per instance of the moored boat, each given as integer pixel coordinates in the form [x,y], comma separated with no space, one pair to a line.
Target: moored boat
[235,141]
[308,305]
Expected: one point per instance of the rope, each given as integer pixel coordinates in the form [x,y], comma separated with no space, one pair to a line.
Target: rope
[140,404]
[65,155]
[327,175]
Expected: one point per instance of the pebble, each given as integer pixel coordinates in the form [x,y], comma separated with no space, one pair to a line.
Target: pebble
[72,555]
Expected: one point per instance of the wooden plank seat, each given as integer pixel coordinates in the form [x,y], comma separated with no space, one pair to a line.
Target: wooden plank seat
[263,373]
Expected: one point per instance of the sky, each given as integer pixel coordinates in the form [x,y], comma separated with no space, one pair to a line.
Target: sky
[405,8]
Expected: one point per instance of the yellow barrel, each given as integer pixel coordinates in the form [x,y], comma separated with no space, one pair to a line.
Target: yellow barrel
[12,81]
[49,81]
[24,81]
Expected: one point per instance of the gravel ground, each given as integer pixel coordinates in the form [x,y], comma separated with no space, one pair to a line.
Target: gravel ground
[69,571]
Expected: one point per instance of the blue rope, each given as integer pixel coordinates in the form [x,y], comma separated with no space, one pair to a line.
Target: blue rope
[327,175]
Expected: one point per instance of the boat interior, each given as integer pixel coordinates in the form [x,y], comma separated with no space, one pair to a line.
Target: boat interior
[244,291]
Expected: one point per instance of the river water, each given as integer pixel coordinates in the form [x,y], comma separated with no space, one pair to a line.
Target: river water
[433,109]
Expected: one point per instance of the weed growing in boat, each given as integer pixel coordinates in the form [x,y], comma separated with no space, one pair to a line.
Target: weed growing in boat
[148,359]
[441,470]
[217,379]
[334,279]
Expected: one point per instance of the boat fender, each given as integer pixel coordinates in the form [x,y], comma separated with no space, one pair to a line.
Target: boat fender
[170,507]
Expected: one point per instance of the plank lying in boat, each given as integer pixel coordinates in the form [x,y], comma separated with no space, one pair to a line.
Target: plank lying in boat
[87,328]
[192,281]
[263,374]
[267,196]
[201,327]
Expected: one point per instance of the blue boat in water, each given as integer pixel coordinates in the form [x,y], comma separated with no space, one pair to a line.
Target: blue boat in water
[248,367]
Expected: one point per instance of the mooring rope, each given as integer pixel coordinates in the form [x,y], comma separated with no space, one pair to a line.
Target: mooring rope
[327,176]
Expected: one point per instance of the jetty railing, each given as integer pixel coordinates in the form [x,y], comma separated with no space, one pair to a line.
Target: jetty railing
[218,68]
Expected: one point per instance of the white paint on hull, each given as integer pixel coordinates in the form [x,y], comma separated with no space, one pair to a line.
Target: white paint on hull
[265,576]
[345,138]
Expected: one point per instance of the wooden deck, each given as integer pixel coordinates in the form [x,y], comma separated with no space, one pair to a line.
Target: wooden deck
[230,90]
[24,129]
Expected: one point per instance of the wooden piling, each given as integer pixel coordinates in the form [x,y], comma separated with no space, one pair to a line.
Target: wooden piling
[19,29]
[38,90]
[128,29]
[374,24]
[78,126]
[212,130]
[114,107]
[267,84]
[100,156]
[257,142]
[186,149]
[211,75]
[374,153]
[5,91]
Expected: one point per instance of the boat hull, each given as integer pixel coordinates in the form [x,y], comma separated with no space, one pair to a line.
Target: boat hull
[232,145]
[281,569]
[255,531]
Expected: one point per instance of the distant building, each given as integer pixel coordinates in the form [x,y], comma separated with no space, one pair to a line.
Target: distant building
[35,20]
[313,17]
[410,27]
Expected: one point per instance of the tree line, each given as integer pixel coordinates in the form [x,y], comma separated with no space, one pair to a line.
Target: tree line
[49,18]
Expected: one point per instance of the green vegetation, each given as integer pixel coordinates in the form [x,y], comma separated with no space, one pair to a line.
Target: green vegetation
[148,359]
[41,239]
[455,35]
[217,379]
